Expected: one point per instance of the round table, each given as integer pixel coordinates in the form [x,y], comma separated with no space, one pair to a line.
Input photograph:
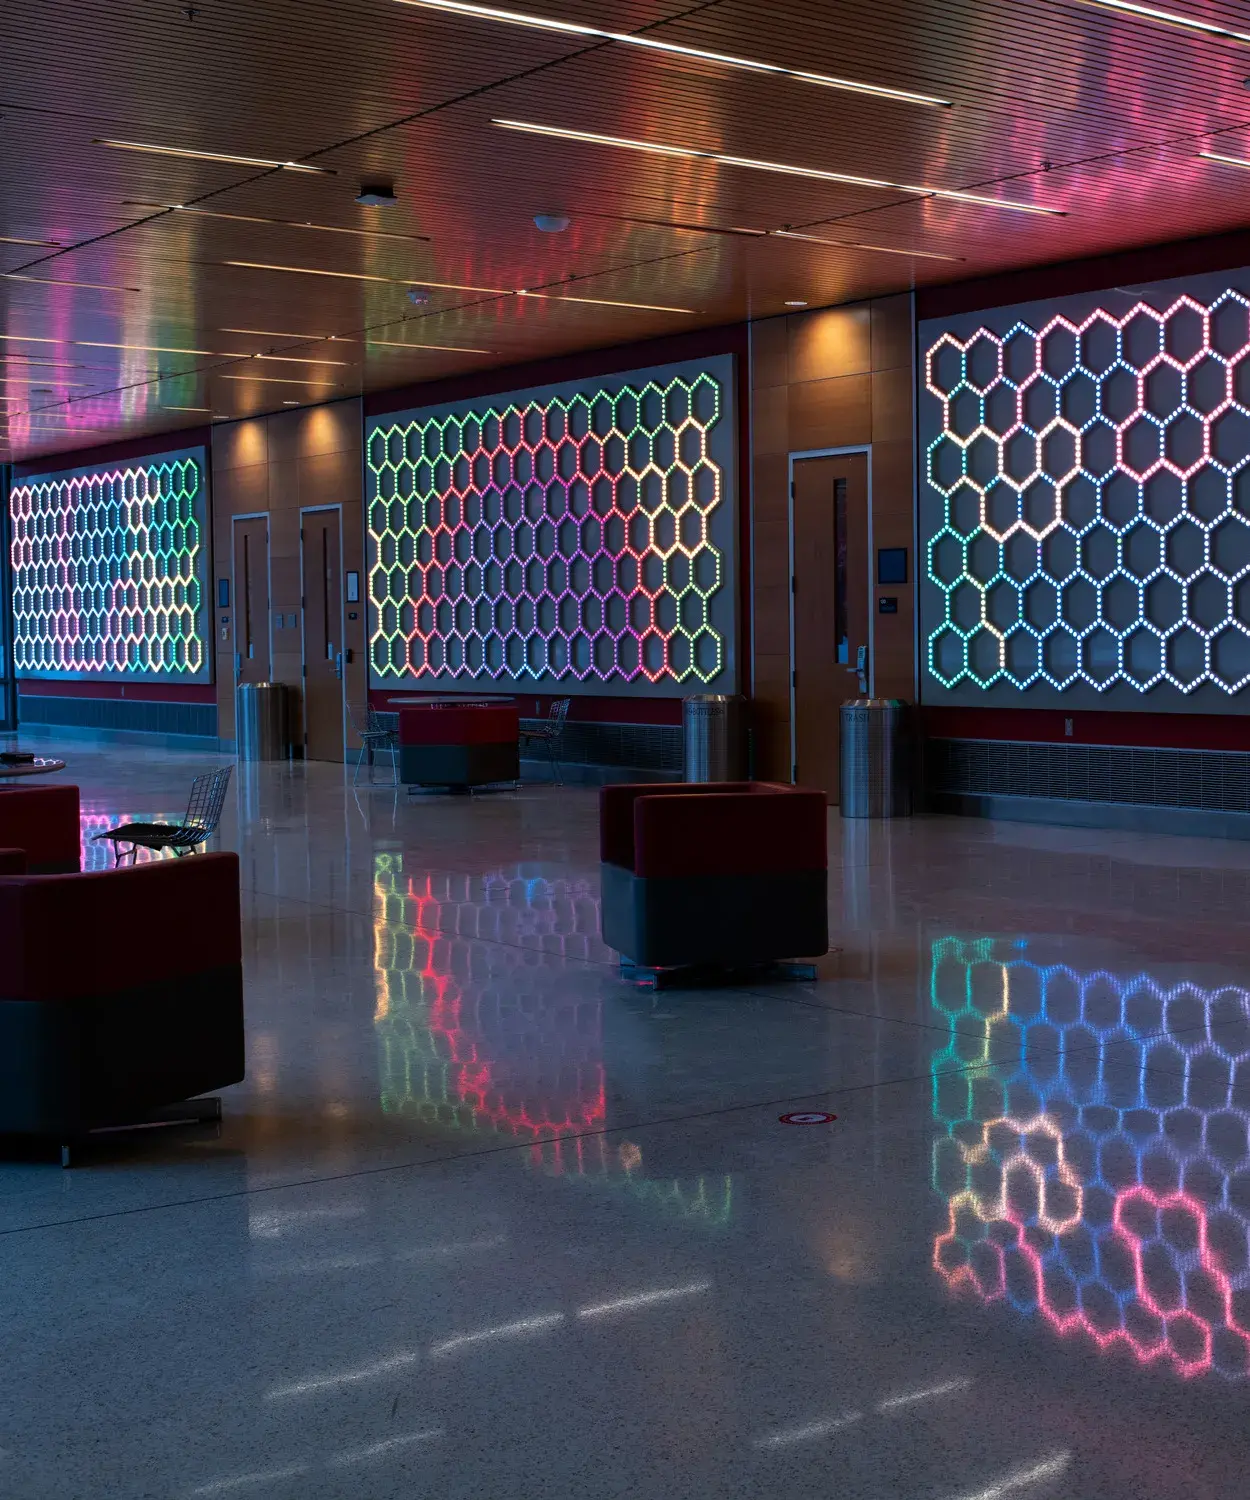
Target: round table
[40,766]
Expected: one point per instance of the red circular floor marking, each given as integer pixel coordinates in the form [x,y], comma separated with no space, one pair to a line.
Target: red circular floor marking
[807,1117]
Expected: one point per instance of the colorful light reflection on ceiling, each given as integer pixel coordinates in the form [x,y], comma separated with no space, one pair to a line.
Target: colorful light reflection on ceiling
[1110,1199]
[1095,517]
[108,573]
[569,540]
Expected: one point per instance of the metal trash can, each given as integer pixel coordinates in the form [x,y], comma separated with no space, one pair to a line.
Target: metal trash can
[875,781]
[262,721]
[713,737]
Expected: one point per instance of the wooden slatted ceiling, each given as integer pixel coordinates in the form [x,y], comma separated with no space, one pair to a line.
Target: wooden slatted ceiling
[1055,102]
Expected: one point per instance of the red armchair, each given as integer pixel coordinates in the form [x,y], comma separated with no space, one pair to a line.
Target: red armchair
[722,873]
[120,992]
[459,745]
[42,820]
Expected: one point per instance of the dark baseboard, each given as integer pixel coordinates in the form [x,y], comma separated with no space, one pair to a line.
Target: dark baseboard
[1214,781]
[577,774]
[120,716]
[1122,816]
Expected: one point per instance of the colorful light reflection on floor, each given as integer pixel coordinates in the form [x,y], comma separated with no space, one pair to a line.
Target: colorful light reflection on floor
[467,1039]
[1107,1192]
[91,821]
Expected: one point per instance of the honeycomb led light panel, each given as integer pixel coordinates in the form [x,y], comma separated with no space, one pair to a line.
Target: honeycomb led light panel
[578,536]
[1107,1200]
[109,568]
[1085,501]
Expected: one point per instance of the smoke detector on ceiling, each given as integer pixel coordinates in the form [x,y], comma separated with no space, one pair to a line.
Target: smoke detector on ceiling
[551,223]
[419,295]
[377,195]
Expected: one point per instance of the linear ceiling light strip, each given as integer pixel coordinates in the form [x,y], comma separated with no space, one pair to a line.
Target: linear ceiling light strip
[210,213]
[422,348]
[1170,18]
[817,239]
[442,286]
[696,54]
[656,148]
[222,156]
[448,286]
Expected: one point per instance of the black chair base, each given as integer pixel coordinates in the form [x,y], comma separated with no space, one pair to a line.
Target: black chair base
[709,976]
[203,1111]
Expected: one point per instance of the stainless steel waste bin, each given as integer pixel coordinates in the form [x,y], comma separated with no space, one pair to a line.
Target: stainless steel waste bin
[713,737]
[262,721]
[875,771]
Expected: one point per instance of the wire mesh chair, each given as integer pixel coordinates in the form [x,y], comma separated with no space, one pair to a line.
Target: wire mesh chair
[550,736]
[208,797]
[374,735]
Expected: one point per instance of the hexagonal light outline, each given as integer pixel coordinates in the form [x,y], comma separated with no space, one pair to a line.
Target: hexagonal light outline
[1065,624]
[405,481]
[107,570]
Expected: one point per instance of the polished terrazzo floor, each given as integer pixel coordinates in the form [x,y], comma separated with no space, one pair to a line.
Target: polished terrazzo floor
[486,1222]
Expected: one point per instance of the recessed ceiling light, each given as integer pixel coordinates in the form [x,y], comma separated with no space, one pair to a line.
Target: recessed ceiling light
[445,286]
[290,403]
[95,286]
[12,239]
[268,333]
[418,348]
[225,156]
[377,195]
[690,152]
[817,239]
[280,380]
[1170,18]
[209,213]
[796,304]
[544,23]
[605,302]
[1227,161]
[551,223]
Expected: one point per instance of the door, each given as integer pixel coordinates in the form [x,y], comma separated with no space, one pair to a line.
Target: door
[830,602]
[251,599]
[321,550]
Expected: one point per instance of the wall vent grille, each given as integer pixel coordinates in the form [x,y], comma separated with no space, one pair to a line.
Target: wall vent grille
[1210,780]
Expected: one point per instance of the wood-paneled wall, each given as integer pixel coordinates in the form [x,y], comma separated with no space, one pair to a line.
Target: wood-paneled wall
[281,464]
[834,378]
